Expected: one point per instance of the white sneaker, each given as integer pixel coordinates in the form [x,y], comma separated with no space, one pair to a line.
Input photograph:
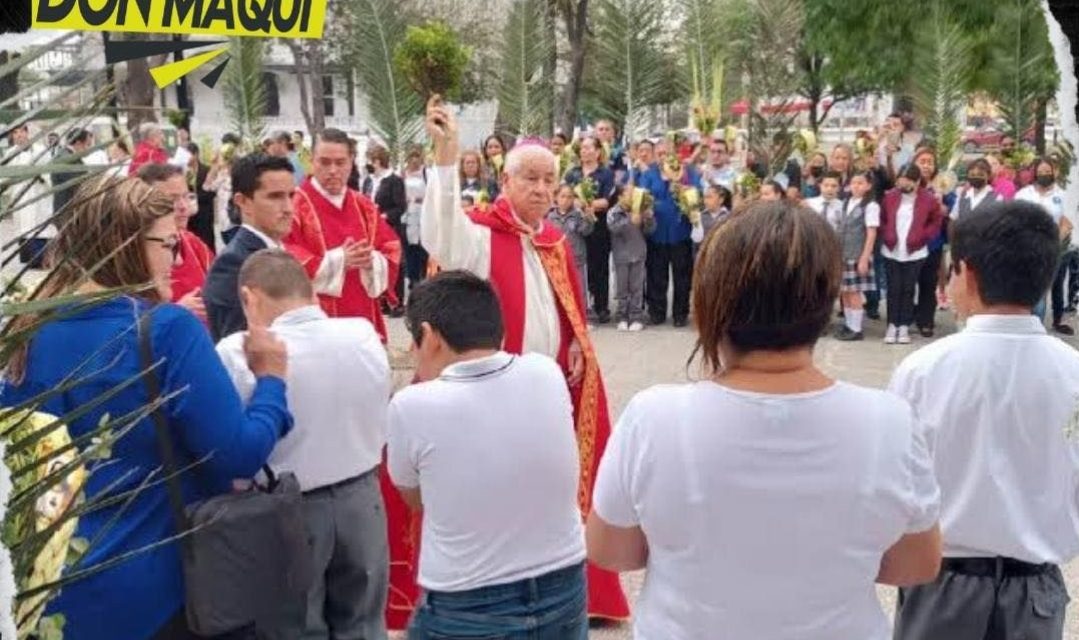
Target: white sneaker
[891,334]
[636,326]
[623,326]
[904,335]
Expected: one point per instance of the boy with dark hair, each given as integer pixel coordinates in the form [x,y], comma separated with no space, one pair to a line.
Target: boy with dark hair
[998,404]
[828,202]
[262,188]
[485,445]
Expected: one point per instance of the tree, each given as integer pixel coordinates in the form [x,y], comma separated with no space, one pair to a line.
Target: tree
[244,88]
[942,73]
[1024,75]
[308,63]
[575,18]
[627,70]
[375,27]
[525,88]
[139,89]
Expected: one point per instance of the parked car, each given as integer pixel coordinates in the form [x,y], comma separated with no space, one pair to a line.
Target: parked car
[989,139]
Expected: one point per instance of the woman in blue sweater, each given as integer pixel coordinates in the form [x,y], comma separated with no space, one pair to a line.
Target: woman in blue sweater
[133,242]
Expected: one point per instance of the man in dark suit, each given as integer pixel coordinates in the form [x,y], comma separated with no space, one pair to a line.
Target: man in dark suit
[387,189]
[262,189]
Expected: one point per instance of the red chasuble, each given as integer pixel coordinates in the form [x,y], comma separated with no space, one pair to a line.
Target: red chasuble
[319,226]
[605,596]
[190,273]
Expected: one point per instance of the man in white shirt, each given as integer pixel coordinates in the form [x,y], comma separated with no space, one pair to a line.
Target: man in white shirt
[485,445]
[827,203]
[719,170]
[998,402]
[338,388]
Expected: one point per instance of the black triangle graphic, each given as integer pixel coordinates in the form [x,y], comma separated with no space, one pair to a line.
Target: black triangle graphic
[210,79]
[121,50]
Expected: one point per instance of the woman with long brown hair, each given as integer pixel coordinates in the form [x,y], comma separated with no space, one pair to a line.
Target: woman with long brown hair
[122,235]
[767,499]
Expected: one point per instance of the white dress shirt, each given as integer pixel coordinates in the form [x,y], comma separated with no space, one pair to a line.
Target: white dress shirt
[32,216]
[329,280]
[452,239]
[491,446]
[338,389]
[904,220]
[975,198]
[824,207]
[270,242]
[766,515]
[1000,405]
[1052,201]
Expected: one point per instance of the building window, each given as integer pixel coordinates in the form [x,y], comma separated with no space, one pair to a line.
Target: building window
[327,95]
[273,95]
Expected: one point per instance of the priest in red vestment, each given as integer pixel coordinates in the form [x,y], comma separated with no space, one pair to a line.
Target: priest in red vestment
[350,252]
[531,266]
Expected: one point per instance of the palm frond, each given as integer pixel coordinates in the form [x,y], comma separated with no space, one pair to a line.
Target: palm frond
[525,95]
[628,71]
[942,73]
[394,110]
[244,89]
[1024,69]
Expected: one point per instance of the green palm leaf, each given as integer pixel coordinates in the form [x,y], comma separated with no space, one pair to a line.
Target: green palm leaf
[628,71]
[1024,70]
[394,110]
[942,75]
[244,90]
[525,95]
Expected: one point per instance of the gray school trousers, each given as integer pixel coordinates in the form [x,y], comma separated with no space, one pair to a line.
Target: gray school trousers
[629,291]
[347,524]
[985,599]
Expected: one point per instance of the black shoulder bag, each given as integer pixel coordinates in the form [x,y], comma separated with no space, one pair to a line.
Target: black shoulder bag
[246,556]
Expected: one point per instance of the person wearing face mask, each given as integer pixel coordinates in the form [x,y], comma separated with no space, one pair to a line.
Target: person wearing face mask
[812,174]
[909,219]
[1048,194]
[977,195]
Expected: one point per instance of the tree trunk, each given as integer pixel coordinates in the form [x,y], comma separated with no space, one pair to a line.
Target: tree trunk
[183,93]
[550,65]
[1040,116]
[576,19]
[9,84]
[299,61]
[139,89]
[315,65]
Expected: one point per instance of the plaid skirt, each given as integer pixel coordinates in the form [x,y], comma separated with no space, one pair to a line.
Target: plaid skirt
[854,283]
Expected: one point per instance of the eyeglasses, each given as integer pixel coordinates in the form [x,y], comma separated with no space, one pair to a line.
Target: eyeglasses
[171,243]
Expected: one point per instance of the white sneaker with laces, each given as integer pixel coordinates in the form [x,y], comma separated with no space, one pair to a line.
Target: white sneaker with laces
[891,334]
[636,326]
[623,326]
[904,335]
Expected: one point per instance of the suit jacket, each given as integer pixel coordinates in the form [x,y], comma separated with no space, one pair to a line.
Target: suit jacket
[221,293]
[61,197]
[391,199]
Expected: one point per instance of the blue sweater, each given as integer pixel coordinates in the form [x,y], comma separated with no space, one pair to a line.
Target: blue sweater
[132,600]
[671,226]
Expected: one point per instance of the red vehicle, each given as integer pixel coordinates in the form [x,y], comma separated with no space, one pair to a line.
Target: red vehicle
[989,139]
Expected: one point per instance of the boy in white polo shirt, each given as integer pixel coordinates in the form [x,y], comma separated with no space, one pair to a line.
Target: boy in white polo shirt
[338,392]
[486,447]
[1000,407]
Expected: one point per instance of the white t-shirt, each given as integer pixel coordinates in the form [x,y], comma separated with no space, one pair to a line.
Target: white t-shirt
[491,445]
[1052,201]
[766,515]
[1000,405]
[904,220]
[339,387]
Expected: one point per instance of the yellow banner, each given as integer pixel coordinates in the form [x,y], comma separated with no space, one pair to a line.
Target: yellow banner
[261,18]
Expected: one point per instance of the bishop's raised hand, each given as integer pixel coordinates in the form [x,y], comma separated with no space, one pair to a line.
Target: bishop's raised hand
[442,128]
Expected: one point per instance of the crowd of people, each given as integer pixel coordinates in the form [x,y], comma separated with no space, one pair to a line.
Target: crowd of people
[491,497]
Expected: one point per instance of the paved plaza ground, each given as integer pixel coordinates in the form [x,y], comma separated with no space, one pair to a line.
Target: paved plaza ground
[632,362]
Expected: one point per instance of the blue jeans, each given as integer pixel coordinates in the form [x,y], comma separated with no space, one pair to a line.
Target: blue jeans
[549,607]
